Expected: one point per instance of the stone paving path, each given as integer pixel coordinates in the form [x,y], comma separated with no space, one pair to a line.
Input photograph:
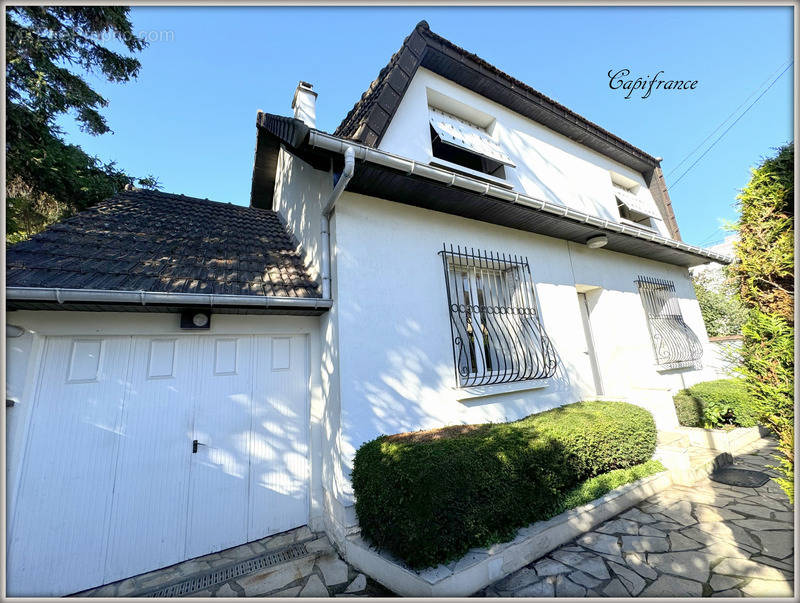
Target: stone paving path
[709,539]
[322,573]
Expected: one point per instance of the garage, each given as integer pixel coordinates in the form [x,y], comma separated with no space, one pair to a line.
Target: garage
[143,451]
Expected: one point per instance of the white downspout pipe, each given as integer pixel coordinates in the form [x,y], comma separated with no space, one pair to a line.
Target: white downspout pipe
[327,209]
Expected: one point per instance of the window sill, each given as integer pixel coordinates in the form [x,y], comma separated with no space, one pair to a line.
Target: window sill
[460,169]
[484,391]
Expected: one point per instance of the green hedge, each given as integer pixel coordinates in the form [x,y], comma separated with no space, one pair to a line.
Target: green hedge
[714,404]
[595,487]
[428,497]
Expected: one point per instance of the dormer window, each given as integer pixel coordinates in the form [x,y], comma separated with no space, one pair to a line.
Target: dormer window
[468,145]
[633,208]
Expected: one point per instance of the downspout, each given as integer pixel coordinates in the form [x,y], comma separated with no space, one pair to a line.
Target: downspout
[327,209]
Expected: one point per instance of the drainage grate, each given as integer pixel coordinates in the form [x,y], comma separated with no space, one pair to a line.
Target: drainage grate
[235,570]
[739,477]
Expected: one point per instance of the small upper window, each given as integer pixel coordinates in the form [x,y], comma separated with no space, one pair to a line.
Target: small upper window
[633,207]
[466,144]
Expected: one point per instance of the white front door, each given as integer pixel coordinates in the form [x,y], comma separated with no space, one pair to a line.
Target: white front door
[111,485]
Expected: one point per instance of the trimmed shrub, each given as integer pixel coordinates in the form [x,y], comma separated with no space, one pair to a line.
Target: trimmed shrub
[713,404]
[429,496]
[595,487]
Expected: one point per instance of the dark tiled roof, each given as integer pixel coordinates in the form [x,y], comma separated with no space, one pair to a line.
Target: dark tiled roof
[369,118]
[160,242]
[385,92]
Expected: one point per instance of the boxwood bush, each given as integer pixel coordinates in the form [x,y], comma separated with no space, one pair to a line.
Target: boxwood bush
[713,404]
[429,496]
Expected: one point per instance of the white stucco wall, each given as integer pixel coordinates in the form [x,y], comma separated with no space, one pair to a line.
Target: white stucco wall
[549,166]
[395,355]
[298,196]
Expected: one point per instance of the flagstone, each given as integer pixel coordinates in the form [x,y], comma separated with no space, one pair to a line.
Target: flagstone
[550,567]
[711,513]
[632,581]
[572,558]
[518,579]
[594,566]
[723,531]
[672,586]
[691,564]
[773,563]
[728,593]
[636,515]
[543,588]
[679,542]
[619,526]
[643,544]
[777,543]
[680,512]
[226,591]
[768,588]
[615,589]
[748,568]
[720,549]
[762,511]
[666,525]
[650,531]
[567,588]
[723,582]
[762,524]
[637,562]
[584,579]
[601,543]
[314,588]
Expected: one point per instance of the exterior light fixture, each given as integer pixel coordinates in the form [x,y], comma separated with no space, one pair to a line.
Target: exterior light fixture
[14,331]
[193,319]
[597,242]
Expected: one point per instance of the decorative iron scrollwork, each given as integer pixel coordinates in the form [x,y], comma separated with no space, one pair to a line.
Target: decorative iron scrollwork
[674,343]
[496,332]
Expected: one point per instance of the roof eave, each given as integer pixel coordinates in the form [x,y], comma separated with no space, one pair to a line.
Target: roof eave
[641,240]
[146,299]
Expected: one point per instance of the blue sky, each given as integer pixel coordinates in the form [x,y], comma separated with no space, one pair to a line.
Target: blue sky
[189,118]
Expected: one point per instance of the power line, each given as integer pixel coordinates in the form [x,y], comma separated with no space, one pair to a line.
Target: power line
[722,123]
[713,144]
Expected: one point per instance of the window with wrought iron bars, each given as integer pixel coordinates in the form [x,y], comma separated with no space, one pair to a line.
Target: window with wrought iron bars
[496,332]
[674,343]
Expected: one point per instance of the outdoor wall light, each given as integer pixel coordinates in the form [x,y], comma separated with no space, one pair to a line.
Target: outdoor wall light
[192,319]
[597,242]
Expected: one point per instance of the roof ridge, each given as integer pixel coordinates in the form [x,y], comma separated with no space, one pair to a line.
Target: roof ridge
[149,192]
[351,125]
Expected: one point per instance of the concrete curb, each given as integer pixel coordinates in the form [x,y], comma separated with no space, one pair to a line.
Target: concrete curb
[481,567]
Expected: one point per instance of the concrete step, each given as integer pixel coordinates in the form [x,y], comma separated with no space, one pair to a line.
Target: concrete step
[704,462]
[674,439]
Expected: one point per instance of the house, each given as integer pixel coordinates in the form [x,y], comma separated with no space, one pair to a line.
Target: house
[185,375]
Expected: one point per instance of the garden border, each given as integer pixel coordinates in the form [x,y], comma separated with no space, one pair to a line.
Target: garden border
[483,566]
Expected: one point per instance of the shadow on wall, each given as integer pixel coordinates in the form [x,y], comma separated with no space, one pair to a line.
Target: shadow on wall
[418,393]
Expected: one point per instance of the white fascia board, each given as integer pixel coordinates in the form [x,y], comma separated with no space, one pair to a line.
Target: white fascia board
[330,143]
[144,298]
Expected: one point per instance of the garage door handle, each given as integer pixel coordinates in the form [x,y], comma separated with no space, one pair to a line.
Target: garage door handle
[195,444]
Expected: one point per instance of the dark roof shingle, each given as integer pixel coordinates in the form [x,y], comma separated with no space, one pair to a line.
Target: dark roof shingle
[369,118]
[161,242]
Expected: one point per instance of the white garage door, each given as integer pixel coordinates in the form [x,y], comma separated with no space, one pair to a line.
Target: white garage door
[145,451]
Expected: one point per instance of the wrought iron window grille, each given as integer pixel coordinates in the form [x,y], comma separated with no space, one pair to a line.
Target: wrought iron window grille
[674,343]
[495,328]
